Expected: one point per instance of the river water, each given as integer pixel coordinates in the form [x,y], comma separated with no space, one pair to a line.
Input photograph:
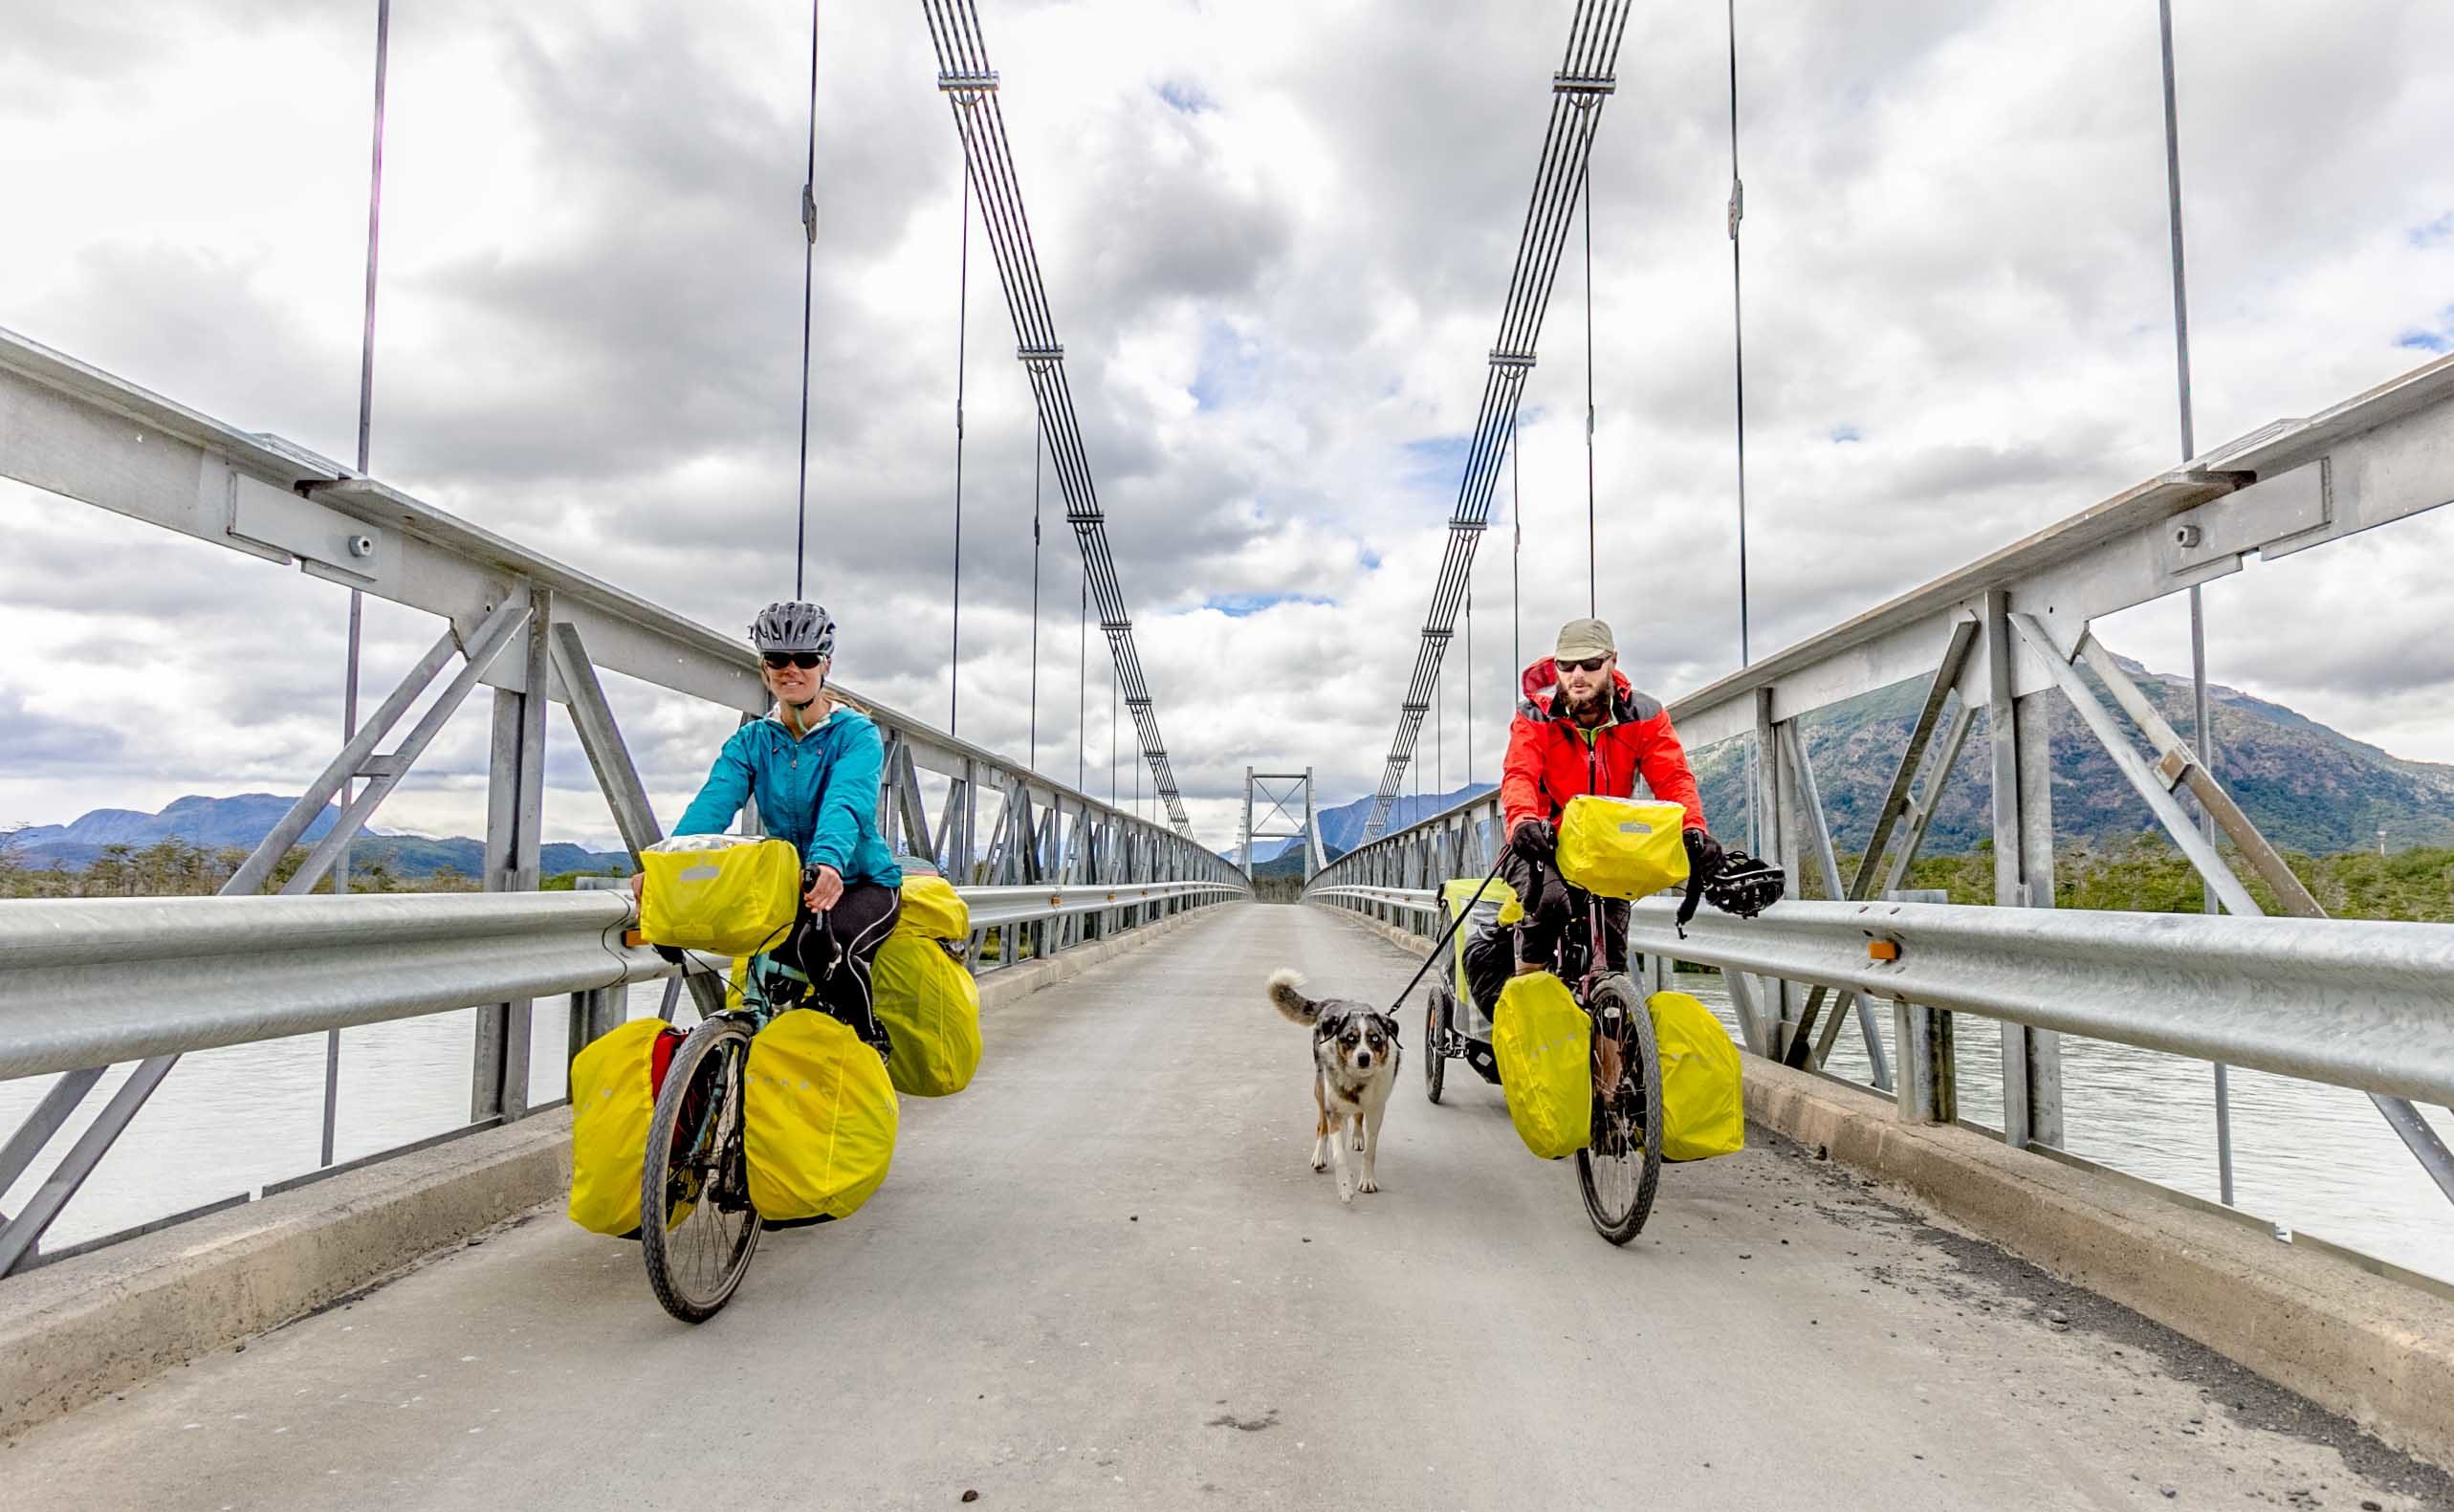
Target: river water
[2317,1159]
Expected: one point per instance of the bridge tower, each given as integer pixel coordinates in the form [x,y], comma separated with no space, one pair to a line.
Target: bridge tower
[1294,785]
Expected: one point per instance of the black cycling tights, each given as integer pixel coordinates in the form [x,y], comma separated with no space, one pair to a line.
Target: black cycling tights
[837,949]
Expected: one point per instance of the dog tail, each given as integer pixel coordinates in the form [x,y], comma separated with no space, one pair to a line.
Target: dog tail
[1286,995]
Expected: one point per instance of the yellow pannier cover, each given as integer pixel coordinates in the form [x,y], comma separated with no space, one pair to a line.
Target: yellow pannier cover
[932,909]
[612,1094]
[819,1124]
[734,899]
[1544,1045]
[932,1008]
[1457,893]
[1702,1112]
[1622,847]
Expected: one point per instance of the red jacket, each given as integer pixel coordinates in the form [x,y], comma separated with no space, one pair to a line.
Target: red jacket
[1552,760]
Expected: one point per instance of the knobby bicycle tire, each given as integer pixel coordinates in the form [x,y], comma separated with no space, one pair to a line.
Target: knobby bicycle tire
[1435,1049]
[677,1270]
[1629,1114]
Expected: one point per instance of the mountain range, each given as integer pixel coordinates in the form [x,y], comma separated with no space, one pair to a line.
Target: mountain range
[241,820]
[2307,787]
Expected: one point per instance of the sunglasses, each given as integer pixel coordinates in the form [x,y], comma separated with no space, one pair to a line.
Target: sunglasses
[777,661]
[1591,664]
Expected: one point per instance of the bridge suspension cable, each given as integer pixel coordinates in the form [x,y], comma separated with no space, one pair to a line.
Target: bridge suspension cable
[971,88]
[1584,82]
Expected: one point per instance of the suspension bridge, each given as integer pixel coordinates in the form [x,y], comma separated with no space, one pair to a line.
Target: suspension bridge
[1106,1275]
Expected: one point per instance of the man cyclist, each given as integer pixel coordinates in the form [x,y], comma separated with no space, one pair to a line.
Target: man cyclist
[1584,728]
[812,765]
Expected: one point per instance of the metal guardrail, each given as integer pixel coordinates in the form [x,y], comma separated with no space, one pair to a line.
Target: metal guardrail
[87,983]
[2356,1004]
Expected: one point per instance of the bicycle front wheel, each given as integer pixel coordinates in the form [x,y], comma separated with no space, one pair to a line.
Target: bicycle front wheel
[1620,1167]
[696,1226]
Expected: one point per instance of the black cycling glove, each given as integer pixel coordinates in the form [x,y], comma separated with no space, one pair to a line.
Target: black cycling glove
[1535,839]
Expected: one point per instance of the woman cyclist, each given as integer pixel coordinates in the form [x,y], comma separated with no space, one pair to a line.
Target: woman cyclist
[812,765]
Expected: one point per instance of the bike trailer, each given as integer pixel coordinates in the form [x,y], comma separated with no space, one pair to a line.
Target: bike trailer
[932,909]
[1479,943]
[1702,1113]
[819,1120]
[931,1010]
[614,1082]
[1622,847]
[728,894]
[1544,1043]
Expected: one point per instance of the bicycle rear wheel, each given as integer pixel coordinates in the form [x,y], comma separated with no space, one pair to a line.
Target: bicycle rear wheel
[1435,1043]
[1620,1167]
[696,1226]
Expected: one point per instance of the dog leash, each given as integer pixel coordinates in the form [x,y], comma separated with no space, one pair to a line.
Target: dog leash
[1441,943]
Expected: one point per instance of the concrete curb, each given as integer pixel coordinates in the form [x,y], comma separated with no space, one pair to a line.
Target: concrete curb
[2371,1348]
[79,1329]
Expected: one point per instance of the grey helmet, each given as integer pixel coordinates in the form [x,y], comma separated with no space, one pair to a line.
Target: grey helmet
[794,626]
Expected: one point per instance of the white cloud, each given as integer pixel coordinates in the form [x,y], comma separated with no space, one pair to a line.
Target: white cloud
[1276,305]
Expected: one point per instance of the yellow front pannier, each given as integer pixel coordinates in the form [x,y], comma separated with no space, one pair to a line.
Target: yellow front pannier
[1622,847]
[932,909]
[723,893]
[613,1091]
[818,1128]
[932,1008]
[1544,1045]
[1702,1111]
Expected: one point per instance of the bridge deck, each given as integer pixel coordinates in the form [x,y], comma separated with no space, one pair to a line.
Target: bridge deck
[1106,1276]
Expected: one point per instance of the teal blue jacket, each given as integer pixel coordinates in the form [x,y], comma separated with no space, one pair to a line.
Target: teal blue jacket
[819,792]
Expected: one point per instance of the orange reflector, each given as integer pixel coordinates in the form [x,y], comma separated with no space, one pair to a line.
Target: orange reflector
[1883,949]
[633,938]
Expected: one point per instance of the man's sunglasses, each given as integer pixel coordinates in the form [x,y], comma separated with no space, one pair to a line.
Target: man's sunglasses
[779,660]
[1591,664]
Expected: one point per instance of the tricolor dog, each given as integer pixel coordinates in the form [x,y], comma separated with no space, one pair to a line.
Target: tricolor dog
[1354,1065]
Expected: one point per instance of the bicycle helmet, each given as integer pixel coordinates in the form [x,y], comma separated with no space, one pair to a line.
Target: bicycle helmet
[794,626]
[1740,885]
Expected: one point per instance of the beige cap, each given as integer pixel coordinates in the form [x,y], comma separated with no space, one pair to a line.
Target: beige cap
[1582,640]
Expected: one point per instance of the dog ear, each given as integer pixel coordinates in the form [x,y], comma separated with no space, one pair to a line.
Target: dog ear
[1388,1025]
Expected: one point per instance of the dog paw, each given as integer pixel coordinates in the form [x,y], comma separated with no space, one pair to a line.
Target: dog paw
[1367,1184]
[1346,1190]
[1320,1166]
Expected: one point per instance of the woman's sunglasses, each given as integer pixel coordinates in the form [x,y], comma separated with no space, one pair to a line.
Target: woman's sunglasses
[779,660]
[1591,664]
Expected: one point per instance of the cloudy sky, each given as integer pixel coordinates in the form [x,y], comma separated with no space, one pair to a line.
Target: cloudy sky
[1276,236]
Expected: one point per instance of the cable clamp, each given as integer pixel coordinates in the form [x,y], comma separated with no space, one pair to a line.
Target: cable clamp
[809,215]
[1738,205]
[1039,359]
[1585,86]
[968,88]
[1520,363]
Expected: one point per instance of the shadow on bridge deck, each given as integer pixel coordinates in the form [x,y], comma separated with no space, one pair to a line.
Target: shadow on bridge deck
[1107,1277]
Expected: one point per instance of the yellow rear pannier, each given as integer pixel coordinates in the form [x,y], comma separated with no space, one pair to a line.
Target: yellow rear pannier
[818,1127]
[1544,1045]
[932,909]
[613,1091]
[1622,847]
[724,893]
[1702,1111]
[932,1008]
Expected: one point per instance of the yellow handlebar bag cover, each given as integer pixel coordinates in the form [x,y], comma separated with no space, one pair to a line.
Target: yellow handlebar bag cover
[613,1091]
[932,1008]
[1704,1112]
[734,898]
[819,1124]
[1622,847]
[1544,1045]
[932,909]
